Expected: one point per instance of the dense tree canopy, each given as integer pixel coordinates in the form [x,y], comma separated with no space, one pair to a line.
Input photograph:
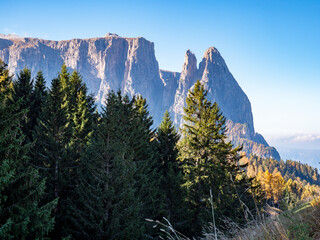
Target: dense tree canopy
[68,171]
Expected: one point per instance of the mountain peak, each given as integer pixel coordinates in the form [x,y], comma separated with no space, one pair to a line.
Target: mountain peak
[111,35]
[211,53]
[190,63]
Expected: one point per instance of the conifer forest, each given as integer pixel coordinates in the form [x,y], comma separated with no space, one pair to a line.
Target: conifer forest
[69,170]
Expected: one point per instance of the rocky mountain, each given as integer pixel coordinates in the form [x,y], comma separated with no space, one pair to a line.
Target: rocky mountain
[223,89]
[129,64]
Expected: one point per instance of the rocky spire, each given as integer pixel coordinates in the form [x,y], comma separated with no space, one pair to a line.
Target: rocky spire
[188,76]
[189,67]
[224,89]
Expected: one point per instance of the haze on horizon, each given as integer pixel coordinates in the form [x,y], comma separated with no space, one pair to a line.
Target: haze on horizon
[271,47]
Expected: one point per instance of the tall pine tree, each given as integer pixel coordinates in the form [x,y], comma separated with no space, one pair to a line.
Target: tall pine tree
[209,162]
[171,173]
[52,152]
[39,97]
[144,147]
[23,89]
[22,213]
[108,178]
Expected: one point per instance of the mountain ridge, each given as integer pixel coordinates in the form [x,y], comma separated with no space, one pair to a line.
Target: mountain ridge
[129,64]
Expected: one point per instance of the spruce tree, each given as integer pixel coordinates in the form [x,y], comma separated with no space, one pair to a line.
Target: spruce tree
[52,152]
[108,178]
[209,162]
[171,173]
[23,89]
[149,176]
[22,212]
[125,204]
[38,99]
[120,171]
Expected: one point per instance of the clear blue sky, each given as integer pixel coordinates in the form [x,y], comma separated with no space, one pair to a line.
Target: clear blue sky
[271,47]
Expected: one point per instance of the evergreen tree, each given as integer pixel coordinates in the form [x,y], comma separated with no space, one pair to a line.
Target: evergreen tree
[52,152]
[146,156]
[109,172]
[22,214]
[209,162]
[38,99]
[23,89]
[80,112]
[120,171]
[124,201]
[171,174]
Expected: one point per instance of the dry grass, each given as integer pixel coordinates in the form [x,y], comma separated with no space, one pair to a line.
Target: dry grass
[301,223]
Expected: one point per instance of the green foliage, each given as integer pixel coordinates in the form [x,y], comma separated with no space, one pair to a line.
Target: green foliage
[170,173]
[299,231]
[52,151]
[289,169]
[23,215]
[285,184]
[209,162]
[23,89]
[63,134]
[38,99]
[69,173]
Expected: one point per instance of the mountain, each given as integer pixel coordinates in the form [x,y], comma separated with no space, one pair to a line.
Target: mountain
[129,64]
[223,89]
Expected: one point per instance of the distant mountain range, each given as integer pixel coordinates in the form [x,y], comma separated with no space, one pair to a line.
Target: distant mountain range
[129,64]
[304,148]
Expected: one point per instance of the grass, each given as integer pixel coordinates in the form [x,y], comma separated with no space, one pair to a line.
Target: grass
[300,223]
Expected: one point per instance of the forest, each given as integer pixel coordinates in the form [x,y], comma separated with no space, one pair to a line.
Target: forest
[69,171]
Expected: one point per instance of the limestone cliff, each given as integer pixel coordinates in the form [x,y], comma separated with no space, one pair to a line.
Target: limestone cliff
[129,64]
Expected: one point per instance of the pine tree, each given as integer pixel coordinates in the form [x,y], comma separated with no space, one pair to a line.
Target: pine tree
[80,112]
[38,99]
[126,207]
[23,89]
[146,155]
[209,162]
[22,214]
[52,151]
[109,177]
[171,174]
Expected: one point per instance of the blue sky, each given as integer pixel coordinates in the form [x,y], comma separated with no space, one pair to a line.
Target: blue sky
[271,47]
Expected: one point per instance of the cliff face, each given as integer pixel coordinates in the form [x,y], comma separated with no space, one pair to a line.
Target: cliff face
[129,64]
[105,63]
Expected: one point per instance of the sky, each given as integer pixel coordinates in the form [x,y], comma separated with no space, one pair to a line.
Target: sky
[271,47]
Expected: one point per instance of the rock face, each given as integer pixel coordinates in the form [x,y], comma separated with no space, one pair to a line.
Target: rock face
[111,62]
[129,64]
[223,89]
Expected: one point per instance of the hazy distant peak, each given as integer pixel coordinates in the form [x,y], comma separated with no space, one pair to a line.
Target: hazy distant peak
[9,36]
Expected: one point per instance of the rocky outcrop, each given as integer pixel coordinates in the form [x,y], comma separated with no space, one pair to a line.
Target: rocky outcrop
[129,64]
[220,84]
[223,89]
[111,62]
[252,143]
[170,82]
